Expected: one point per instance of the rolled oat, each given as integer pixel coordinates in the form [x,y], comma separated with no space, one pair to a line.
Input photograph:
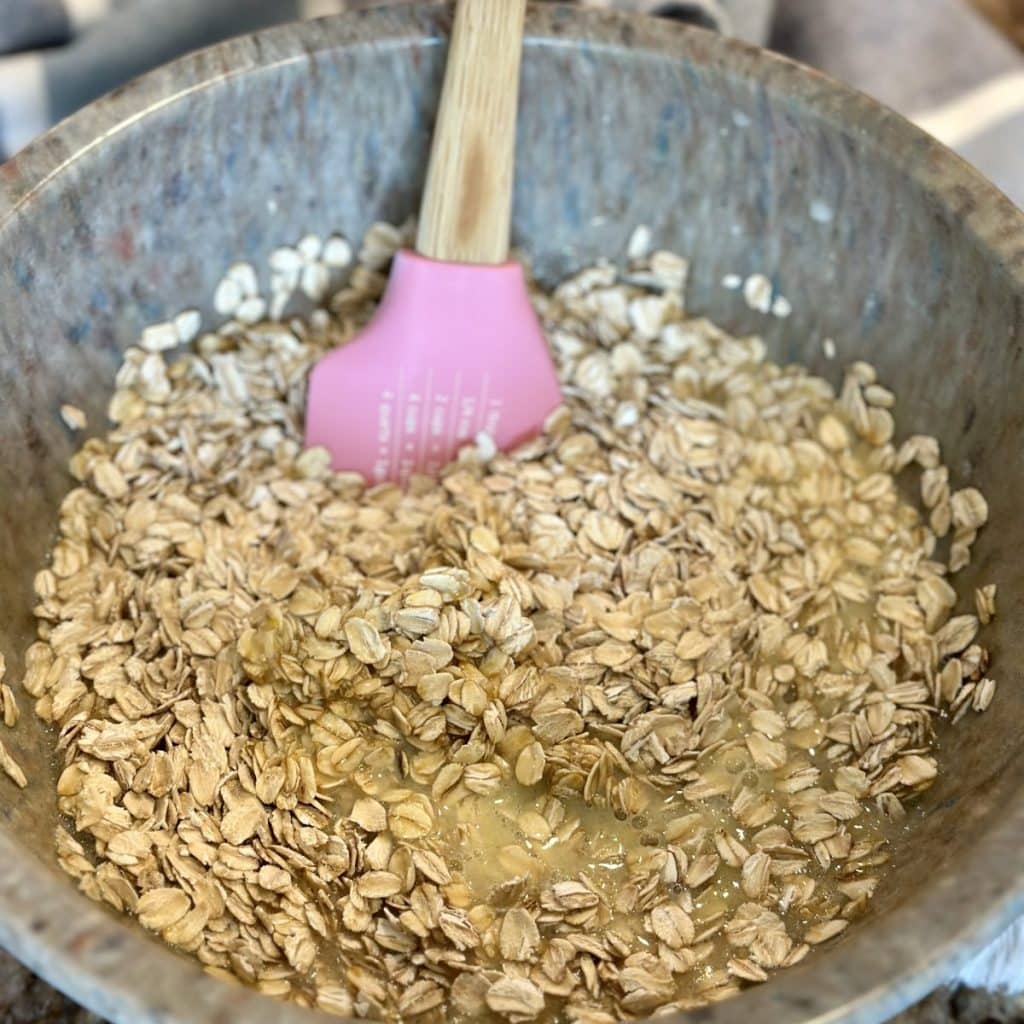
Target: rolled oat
[609,724]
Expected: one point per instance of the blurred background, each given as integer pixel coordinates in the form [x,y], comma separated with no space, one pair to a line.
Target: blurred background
[954,66]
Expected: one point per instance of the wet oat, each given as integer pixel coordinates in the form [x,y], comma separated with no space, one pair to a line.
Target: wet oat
[613,723]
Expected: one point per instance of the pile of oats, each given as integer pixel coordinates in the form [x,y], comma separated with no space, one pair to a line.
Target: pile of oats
[613,723]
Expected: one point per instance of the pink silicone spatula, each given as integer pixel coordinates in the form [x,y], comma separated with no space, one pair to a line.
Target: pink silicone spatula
[455,348]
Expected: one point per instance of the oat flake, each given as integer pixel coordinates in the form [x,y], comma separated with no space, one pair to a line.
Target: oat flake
[613,723]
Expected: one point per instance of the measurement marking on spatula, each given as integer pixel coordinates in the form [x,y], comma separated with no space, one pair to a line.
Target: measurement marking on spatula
[457,394]
[485,387]
[425,427]
[384,434]
[396,448]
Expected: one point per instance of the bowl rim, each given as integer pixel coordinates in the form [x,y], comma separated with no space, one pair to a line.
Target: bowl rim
[98,959]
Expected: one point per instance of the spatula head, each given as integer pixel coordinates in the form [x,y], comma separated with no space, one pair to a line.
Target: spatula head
[453,351]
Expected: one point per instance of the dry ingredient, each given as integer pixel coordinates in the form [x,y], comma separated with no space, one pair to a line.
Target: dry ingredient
[73,417]
[9,717]
[613,723]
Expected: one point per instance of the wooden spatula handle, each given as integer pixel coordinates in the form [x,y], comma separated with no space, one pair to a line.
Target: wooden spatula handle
[467,206]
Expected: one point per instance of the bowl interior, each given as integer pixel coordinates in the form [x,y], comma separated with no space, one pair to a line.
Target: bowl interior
[881,241]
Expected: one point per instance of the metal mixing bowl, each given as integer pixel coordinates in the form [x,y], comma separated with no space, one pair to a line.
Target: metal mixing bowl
[883,241]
